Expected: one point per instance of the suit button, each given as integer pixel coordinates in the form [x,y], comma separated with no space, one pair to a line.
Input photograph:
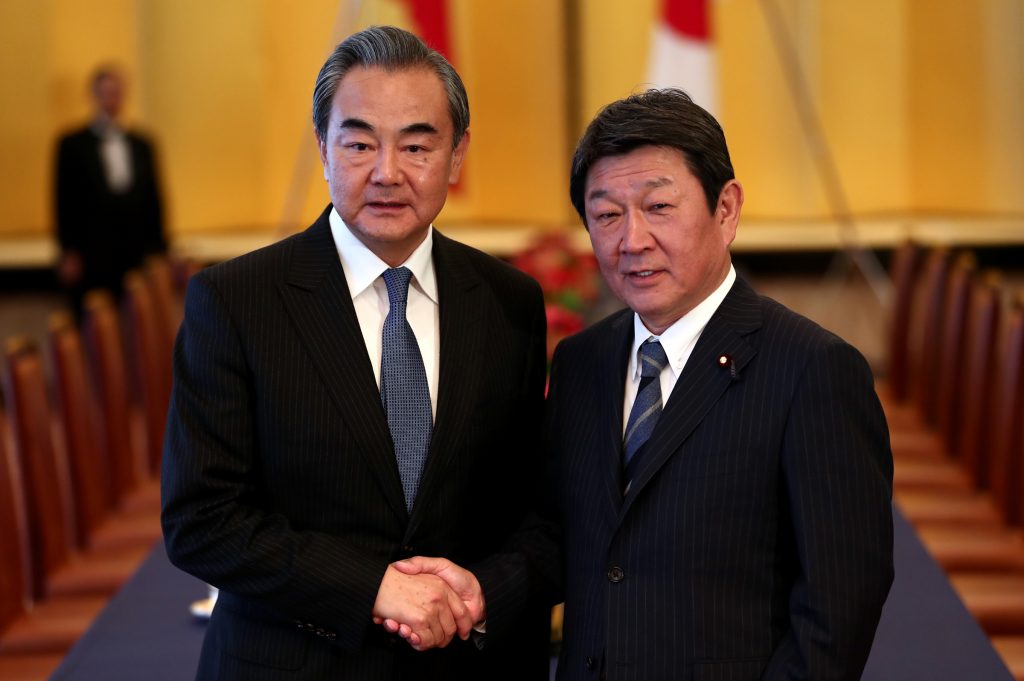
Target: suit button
[616,575]
[590,663]
[408,549]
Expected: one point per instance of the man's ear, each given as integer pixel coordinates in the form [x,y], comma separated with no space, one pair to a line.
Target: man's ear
[727,213]
[458,154]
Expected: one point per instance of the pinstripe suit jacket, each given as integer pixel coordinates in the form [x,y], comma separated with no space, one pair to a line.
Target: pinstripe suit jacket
[756,541]
[279,479]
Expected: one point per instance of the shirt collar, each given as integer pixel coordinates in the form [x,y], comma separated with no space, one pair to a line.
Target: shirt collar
[362,266]
[679,338]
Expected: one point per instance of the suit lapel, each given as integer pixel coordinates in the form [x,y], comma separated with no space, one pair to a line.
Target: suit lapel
[611,388]
[317,298]
[460,298]
[702,382]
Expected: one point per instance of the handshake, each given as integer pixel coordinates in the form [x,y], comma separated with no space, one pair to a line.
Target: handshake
[427,601]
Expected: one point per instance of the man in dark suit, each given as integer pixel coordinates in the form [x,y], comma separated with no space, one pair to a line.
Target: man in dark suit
[362,392]
[724,463]
[107,198]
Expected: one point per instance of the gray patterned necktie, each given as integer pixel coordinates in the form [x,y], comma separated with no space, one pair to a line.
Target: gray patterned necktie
[647,407]
[403,386]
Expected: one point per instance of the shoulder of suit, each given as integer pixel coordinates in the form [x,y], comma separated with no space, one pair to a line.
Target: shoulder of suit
[793,332]
[268,261]
[494,270]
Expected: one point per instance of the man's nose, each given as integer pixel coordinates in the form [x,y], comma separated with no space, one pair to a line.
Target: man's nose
[386,170]
[636,234]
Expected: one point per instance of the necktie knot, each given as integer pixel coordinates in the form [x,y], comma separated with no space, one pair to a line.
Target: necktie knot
[397,281]
[652,358]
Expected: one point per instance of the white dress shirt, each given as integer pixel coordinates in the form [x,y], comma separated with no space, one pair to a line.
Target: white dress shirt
[363,270]
[116,157]
[678,341]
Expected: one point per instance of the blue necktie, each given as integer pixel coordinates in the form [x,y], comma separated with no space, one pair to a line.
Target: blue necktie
[647,407]
[403,387]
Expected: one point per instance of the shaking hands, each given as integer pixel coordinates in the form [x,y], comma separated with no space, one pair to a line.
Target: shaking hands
[428,601]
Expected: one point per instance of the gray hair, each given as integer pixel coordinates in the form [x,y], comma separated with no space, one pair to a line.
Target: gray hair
[391,49]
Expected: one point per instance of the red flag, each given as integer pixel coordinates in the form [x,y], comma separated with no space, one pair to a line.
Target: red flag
[682,50]
[431,17]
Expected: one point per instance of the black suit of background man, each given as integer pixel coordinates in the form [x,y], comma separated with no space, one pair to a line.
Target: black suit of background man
[103,231]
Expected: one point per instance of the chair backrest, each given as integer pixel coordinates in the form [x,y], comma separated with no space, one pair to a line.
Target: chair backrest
[1007,410]
[160,276]
[15,574]
[102,325]
[976,379]
[151,355]
[903,270]
[927,333]
[84,438]
[951,350]
[47,481]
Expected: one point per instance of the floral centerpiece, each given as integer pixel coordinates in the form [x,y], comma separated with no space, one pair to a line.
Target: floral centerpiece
[569,278]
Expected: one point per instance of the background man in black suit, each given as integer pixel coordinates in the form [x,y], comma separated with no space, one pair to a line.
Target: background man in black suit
[288,481]
[107,198]
[726,494]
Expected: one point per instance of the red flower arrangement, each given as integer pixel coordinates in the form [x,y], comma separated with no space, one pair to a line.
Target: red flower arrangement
[569,278]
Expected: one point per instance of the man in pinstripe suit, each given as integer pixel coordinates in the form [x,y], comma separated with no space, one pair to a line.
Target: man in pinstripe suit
[282,481]
[726,496]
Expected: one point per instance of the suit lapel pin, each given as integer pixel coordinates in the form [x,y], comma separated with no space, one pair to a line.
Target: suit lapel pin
[725,362]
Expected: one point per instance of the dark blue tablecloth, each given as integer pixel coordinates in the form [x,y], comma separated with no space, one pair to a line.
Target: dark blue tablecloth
[926,634]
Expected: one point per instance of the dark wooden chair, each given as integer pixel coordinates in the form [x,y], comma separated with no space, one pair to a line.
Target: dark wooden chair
[58,569]
[150,351]
[916,450]
[33,635]
[923,334]
[124,424]
[986,426]
[896,386]
[101,525]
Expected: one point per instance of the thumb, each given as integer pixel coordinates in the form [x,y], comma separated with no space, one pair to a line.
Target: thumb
[407,567]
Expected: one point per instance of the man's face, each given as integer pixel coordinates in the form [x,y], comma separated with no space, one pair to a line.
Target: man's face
[388,156]
[109,94]
[659,248]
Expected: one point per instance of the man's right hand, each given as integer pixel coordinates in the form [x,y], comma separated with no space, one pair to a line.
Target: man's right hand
[425,605]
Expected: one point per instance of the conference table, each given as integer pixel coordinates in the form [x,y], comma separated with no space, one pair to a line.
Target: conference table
[925,634]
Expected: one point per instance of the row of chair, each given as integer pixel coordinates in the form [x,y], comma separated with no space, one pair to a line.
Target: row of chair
[954,397]
[79,465]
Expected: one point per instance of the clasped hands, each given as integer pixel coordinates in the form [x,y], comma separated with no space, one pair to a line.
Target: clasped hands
[427,601]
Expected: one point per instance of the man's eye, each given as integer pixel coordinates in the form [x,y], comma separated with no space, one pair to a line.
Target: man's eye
[415,148]
[358,146]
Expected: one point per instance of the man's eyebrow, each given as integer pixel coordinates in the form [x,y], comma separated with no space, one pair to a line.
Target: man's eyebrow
[652,183]
[419,128]
[356,124]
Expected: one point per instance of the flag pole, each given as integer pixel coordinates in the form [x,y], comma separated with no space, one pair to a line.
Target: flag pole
[852,253]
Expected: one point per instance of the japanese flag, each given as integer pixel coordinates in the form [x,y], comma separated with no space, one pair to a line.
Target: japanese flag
[682,53]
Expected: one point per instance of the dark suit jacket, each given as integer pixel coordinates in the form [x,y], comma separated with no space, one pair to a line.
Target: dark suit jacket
[279,478]
[756,541]
[112,231]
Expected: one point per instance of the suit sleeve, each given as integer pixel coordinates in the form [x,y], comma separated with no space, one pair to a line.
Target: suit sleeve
[837,468]
[154,239]
[527,573]
[66,192]
[215,525]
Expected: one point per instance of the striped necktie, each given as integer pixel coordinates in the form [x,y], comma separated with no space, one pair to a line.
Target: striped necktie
[647,407]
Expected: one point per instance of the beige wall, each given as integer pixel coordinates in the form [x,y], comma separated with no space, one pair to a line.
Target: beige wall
[921,103]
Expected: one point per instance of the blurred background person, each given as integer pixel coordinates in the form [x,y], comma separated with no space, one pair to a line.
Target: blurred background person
[108,207]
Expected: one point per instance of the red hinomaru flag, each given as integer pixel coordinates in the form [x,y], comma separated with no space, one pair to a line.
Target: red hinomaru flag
[682,52]
[432,25]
